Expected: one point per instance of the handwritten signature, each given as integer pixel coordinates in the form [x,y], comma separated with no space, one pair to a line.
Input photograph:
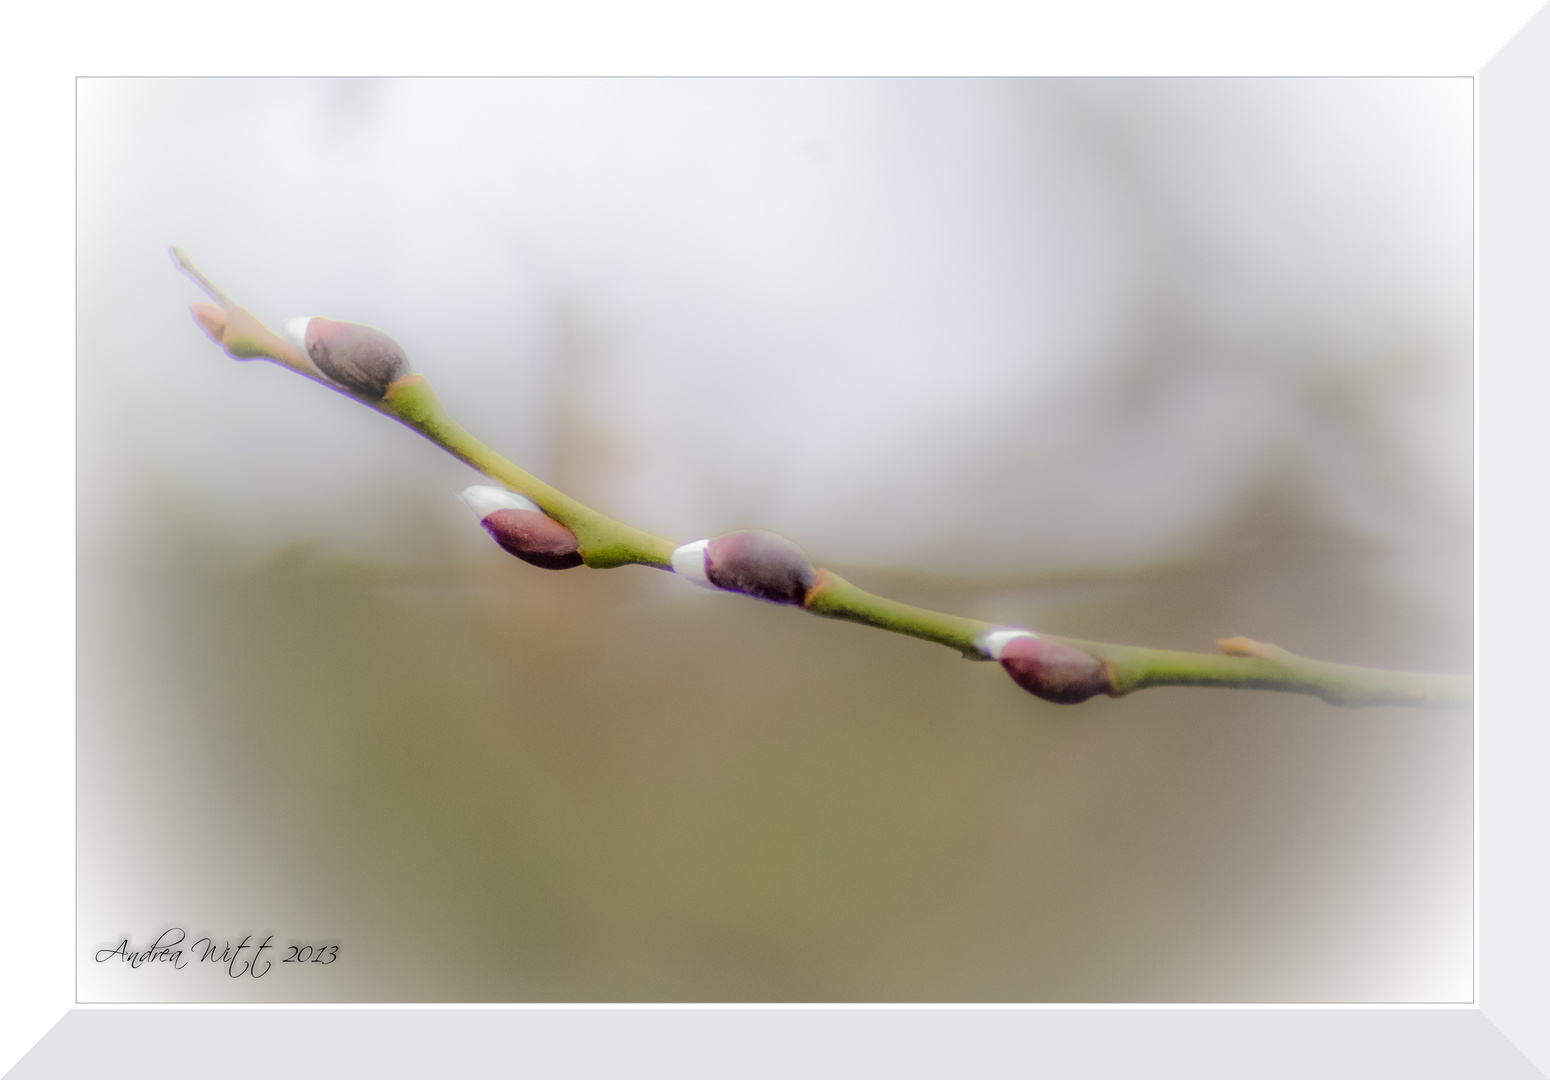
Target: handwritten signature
[168,949]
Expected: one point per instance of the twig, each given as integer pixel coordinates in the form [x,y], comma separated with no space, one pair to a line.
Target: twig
[365,364]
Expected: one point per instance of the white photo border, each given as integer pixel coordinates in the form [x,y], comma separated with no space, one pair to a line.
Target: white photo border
[1353,38]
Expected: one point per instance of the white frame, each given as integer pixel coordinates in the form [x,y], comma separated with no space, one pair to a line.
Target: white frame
[1513,1001]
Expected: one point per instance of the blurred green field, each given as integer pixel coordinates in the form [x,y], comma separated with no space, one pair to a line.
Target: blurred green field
[1180,359]
[496,783]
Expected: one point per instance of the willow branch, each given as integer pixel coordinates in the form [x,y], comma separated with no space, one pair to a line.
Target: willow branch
[367,365]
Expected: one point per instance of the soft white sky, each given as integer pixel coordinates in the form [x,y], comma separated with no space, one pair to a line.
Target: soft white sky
[1077,319]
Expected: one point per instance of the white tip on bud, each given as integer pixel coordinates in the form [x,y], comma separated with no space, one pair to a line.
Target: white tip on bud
[484,500]
[295,332]
[996,640]
[689,564]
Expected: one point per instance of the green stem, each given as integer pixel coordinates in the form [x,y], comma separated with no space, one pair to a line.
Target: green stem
[1273,668]
[604,543]
[835,598]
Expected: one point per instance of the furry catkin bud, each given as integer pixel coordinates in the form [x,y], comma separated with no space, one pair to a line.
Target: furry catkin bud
[519,526]
[360,359]
[1048,669]
[756,563]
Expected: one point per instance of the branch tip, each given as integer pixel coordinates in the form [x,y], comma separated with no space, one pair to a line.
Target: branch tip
[186,266]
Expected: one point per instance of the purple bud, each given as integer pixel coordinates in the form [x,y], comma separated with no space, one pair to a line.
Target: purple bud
[534,538]
[519,526]
[1052,671]
[361,359]
[761,564]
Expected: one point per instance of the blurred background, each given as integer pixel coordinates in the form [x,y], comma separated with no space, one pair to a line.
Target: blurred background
[1148,361]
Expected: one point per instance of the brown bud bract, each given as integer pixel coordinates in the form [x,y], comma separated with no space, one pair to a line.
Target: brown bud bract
[359,358]
[761,564]
[1243,646]
[212,320]
[534,538]
[1053,671]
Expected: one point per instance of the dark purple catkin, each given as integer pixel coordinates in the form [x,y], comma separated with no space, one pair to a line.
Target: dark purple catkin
[534,538]
[1053,671]
[360,359]
[761,564]
[524,530]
